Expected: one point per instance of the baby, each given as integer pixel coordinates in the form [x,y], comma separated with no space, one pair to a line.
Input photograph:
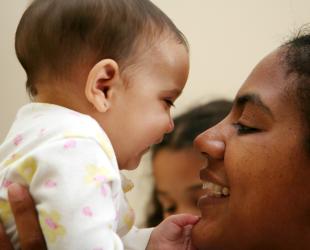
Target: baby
[103,75]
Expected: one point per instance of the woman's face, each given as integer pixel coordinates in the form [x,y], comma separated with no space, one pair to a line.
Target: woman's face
[256,158]
[176,174]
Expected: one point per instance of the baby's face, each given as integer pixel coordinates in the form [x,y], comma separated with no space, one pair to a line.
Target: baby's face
[142,109]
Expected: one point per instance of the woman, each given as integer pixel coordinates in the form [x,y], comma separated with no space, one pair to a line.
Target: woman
[258,161]
[176,163]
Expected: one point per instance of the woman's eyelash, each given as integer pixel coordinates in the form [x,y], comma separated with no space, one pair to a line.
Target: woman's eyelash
[243,129]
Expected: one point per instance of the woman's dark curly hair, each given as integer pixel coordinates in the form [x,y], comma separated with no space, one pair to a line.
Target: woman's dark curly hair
[297,61]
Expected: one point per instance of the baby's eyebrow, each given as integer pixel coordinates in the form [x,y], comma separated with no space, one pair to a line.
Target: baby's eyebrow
[173,92]
[254,99]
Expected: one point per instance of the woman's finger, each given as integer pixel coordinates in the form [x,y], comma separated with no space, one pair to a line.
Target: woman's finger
[26,218]
[5,243]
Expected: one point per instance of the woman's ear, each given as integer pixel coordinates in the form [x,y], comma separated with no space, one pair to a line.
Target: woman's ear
[101,81]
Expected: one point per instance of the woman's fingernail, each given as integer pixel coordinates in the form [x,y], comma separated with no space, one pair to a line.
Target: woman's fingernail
[16,192]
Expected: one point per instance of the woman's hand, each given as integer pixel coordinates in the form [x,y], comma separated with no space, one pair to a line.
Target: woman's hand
[26,219]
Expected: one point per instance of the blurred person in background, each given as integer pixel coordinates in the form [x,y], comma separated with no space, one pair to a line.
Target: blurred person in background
[176,163]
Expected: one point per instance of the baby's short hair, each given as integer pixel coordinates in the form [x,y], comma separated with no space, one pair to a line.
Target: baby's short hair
[55,36]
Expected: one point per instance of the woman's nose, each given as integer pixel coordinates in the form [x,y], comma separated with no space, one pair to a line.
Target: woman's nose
[211,143]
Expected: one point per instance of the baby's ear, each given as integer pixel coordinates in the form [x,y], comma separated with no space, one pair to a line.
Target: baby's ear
[102,80]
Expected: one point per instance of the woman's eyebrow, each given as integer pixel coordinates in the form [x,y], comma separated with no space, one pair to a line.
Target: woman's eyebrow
[254,99]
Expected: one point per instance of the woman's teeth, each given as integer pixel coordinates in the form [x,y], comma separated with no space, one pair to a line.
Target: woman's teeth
[215,190]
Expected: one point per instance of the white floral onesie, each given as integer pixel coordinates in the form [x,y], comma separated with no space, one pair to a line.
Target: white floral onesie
[69,164]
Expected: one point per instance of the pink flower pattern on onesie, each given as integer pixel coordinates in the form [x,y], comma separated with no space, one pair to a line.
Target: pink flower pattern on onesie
[87,211]
[17,140]
[6,183]
[50,183]
[70,144]
[99,175]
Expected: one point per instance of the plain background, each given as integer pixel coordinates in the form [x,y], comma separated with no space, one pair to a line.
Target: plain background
[227,38]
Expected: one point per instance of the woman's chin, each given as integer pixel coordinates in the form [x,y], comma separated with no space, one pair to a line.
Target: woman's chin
[198,238]
[204,236]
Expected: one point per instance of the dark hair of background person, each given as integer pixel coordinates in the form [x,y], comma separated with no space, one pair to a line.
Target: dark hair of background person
[61,37]
[186,127]
[297,60]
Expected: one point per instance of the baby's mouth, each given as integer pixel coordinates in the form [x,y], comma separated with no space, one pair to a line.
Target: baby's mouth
[215,190]
[145,150]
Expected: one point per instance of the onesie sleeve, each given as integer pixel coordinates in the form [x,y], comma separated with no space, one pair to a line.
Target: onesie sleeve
[137,239]
[76,189]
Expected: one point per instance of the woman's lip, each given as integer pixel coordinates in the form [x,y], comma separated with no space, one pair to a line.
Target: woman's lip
[208,175]
[207,200]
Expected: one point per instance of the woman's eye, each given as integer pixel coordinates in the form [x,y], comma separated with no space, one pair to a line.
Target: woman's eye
[243,129]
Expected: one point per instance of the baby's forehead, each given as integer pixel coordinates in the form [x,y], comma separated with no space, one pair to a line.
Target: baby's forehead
[148,50]
[150,45]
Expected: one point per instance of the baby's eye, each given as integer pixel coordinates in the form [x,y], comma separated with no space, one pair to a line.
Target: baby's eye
[169,102]
[243,129]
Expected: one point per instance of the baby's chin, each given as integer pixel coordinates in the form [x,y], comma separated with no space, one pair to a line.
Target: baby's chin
[132,163]
[129,165]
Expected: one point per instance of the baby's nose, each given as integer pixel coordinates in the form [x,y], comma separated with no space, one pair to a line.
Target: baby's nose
[170,126]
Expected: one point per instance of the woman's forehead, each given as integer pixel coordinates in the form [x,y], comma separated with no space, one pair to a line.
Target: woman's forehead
[268,77]
[270,87]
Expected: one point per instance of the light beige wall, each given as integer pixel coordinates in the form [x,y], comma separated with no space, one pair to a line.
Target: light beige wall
[12,93]
[227,39]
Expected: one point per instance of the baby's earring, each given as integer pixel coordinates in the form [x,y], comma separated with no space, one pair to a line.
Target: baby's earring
[104,107]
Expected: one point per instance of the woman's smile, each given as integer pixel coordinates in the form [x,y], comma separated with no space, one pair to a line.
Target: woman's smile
[215,190]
